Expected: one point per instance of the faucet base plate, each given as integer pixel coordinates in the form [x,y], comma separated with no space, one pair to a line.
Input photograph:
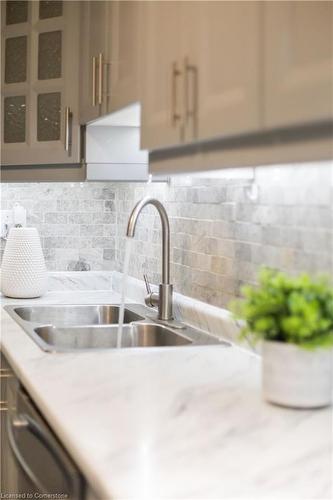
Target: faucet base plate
[172,322]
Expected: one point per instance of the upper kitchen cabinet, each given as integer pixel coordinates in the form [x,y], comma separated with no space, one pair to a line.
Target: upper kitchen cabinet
[225,71]
[110,55]
[123,70]
[162,122]
[39,82]
[93,60]
[236,83]
[201,71]
[298,47]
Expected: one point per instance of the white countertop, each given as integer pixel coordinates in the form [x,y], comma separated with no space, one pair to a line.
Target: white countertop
[185,423]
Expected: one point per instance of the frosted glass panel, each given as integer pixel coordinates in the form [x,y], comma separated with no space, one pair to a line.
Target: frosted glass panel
[14,119]
[50,9]
[48,116]
[49,55]
[16,59]
[16,12]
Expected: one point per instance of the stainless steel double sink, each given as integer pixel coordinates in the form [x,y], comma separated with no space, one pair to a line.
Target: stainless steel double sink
[66,328]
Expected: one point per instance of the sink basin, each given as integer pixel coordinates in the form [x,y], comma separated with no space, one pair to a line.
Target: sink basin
[75,315]
[69,328]
[105,337]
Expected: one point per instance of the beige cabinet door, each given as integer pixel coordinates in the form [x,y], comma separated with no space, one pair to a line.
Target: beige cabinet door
[39,82]
[162,78]
[298,47]
[124,54]
[93,60]
[216,90]
[225,69]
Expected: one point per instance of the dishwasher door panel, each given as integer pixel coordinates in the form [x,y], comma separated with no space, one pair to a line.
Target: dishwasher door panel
[8,471]
[43,466]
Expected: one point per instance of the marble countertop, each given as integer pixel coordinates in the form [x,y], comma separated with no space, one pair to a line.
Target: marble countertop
[186,423]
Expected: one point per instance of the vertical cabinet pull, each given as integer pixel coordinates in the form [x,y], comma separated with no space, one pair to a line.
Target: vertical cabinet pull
[185,113]
[94,81]
[100,79]
[175,115]
[190,105]
[97,79]
[68,130]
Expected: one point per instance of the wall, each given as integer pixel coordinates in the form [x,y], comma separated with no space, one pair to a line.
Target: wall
[76,221]
[222,229]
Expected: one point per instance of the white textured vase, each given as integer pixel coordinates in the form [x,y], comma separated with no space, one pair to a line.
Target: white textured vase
[297,377]
[23,272]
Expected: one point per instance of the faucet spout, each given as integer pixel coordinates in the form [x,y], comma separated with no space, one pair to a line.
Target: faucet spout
[165,232]
[165,289]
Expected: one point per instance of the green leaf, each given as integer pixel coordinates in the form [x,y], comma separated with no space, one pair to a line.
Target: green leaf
[288,309]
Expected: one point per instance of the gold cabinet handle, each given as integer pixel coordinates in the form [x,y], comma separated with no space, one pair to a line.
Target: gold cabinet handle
[191,108]
[3,406]
[68,130]
[94,81]
[100,79]
[175,115]
[5,373]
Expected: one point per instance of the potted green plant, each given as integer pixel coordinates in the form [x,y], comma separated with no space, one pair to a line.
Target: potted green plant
[293,316]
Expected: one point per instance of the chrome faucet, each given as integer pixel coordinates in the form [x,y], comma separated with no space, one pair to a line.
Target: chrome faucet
[163,299]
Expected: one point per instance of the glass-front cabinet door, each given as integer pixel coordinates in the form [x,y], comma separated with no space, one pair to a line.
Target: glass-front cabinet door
[40,68]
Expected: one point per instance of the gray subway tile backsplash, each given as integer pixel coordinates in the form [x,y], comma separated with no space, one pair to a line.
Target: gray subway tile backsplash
[220,234]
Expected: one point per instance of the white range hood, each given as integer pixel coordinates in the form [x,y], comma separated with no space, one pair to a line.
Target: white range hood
[113,148]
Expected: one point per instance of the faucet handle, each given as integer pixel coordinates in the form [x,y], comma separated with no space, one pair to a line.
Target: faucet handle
[148,287]
[152,298]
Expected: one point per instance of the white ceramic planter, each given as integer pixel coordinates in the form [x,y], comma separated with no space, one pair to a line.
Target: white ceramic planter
[23,272]
[296,377]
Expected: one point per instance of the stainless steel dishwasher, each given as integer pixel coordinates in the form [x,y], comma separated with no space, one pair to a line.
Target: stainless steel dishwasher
[8,478]
[39,463]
